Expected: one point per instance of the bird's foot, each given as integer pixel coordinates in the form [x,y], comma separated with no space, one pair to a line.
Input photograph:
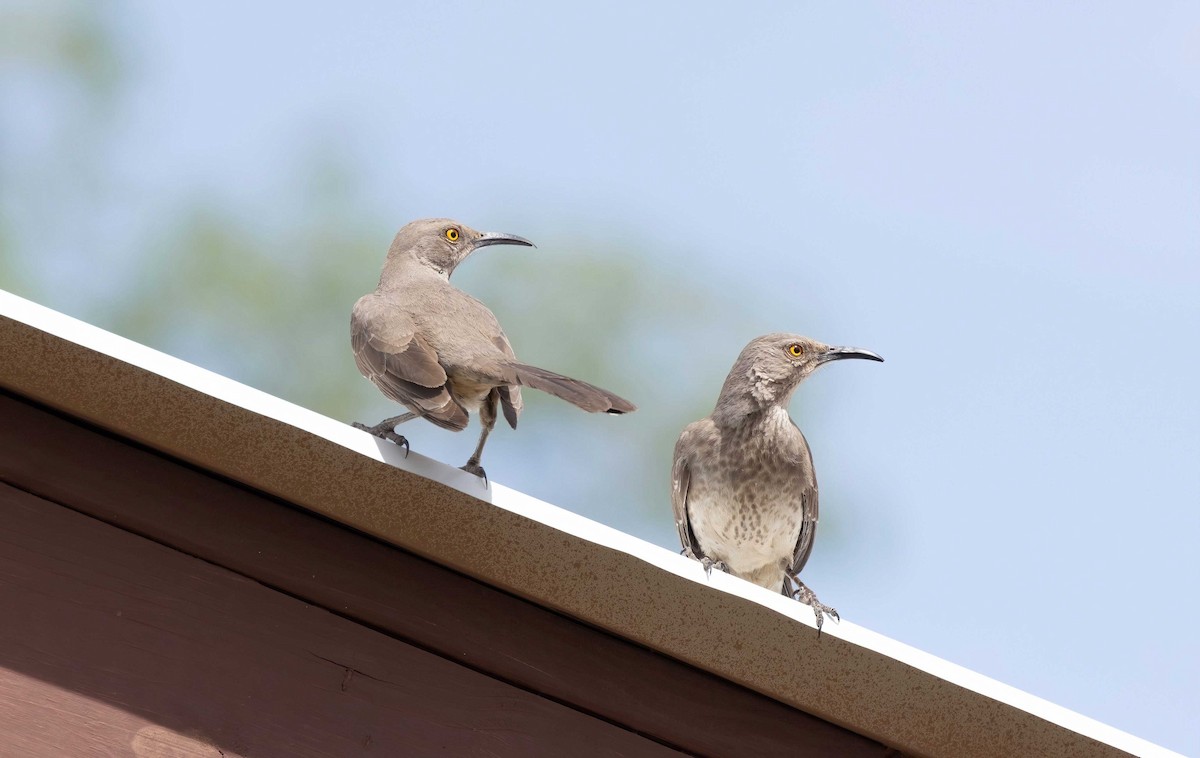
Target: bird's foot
[709,564]
[385,432]
[809,598]
[473,467]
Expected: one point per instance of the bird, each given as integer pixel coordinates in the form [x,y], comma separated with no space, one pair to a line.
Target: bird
[440,352]
[743,488]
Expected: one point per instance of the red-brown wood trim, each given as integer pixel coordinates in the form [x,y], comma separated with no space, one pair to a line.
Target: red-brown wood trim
[230,663]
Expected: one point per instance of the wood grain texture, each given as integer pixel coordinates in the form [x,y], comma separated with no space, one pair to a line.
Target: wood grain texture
[233,664]
[35,715]
[408,597]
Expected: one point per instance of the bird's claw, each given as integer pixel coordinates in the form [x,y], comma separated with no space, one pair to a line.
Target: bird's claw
[398,439]
[473,467]
[385,434]
[709,564]
[809,598]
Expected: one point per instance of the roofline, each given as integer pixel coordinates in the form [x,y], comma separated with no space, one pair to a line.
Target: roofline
[851,676]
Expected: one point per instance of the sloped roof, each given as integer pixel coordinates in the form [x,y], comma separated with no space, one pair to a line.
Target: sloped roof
[850,676]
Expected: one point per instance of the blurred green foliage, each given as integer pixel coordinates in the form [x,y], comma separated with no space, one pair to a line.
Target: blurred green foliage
[263,294]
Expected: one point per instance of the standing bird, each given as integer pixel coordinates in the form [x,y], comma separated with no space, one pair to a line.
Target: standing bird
[440,352]
[742,486]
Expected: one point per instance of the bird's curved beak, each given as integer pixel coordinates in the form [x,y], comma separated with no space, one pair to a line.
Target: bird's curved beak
[497,238]
[839,353]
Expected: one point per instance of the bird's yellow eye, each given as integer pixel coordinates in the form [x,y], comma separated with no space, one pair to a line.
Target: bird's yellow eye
[452,234]
[795,350]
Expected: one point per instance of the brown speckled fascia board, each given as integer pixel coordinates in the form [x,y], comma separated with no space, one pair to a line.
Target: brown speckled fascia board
[732,637]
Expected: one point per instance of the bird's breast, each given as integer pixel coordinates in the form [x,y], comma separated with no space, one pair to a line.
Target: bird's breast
[745,508]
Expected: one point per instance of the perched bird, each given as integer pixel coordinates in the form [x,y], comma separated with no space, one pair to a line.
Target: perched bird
[440,352]
[742,485]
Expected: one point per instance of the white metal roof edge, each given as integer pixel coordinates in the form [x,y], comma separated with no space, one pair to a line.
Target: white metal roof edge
[256,401]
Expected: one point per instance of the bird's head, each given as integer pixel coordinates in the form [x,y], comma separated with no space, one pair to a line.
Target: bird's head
[442,243]
[771,367]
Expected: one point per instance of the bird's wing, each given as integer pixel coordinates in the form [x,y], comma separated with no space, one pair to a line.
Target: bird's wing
[510,394]
[404,367]
[681,479]
[511,403]
[808,529]
[808,523]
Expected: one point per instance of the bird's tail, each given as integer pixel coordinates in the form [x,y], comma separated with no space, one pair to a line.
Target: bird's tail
[586,396]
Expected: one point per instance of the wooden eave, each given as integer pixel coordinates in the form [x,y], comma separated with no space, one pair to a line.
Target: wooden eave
[734,635]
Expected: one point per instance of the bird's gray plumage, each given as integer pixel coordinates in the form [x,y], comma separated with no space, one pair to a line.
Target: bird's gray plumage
[440,352]
[743,488]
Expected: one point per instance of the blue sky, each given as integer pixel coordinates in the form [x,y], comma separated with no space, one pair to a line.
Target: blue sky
[1003,201]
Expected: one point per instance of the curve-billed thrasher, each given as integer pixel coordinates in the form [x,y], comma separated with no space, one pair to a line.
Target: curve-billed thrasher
[743,487]
[440,352]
